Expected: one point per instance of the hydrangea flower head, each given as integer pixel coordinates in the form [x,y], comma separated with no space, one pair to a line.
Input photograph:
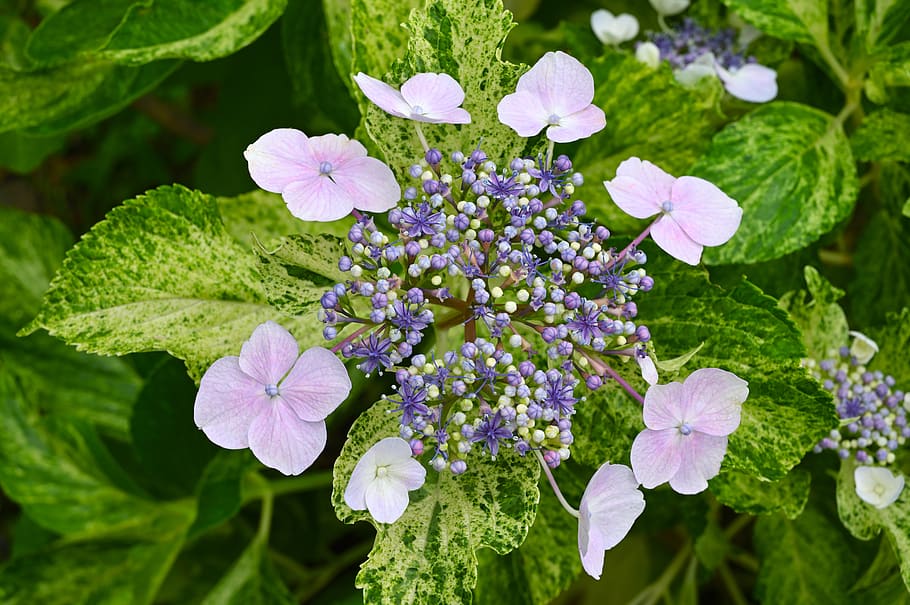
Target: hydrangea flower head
[693,212]
[272,401]
[382,479]
[425,97]
[687,427]
[613,29]
[610,505]
[877,486]
[555,94]
[321,178]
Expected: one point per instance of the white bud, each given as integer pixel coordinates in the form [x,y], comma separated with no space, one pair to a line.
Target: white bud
[648,53]
[611,29]
[667,8]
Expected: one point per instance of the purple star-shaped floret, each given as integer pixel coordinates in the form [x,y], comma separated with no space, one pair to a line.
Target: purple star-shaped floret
[412,403]
[490,432]
[422,220]
[406,319]
[586,323]
[502,188]
[375,352]
[559,396]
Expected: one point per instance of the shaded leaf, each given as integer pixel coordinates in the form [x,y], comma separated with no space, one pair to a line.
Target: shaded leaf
[798,20]
[251,581]
[747,494]
[882,136]
[820,319]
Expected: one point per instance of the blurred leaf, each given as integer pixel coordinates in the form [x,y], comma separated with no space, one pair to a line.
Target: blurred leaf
[105,572]
[882,136]
[893,339]
[748,494]
[141,31]
[14,33]
[880,21]
[672,129]
[865,521]
[52,101]
[547,561]
[881,584]
[892,70]
[166,258]
[172,452]
[29,537]
[798,20]
[744,332]
[821,319]
[805,561]
[219,492]
[21,153]
[791,192]
[428,555]
[438,39]
[711,546]
[251,581]
[884,246]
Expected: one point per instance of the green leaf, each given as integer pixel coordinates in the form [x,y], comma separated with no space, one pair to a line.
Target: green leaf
[160,273]
[791,192]
[51,101]
[804,561]
[744,332]
[671,130]
[798,20]
[51,466]
[172,452]
[220,493]
[547,561]
[881,584]
[266,216]
[374,36]
[251,581]
[880,21]
[21,153]
[883,245]
[464,40]
[748,494]
[906,209]
[865,521]
[608,411]
[428,555]
[109,572]
[821,319]
[881,136]
[141,31]
[892,70]
[712,546]
[893,340]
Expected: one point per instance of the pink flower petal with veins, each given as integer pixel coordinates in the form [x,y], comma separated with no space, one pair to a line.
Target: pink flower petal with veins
[713,402]
[269,353]
[673,240]
[281,440]
[701,459]
[640,187]
[656,456]
[383,96]
[556,92]
[609,507]
[278,158]
[424,97]
[316,385]
[751,82]
[227,402]
[708,215]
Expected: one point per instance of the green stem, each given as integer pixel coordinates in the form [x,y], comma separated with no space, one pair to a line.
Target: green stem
[423,139]
[843,78]
[658,588]
[258,487]
[739,523]
[265,519]
[555,486]
[736,594]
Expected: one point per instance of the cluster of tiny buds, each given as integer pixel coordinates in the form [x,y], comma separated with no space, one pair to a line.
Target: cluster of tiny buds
[873,414]
[691,41]
[506,256]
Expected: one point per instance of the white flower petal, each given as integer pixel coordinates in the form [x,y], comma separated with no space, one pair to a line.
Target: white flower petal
[863,347]
[877,486]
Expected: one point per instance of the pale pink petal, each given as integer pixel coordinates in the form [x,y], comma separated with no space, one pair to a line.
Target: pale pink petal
[269,353]
[713,401]
[384,96]
[648,369]
[410,472]
[316,385]
[667,234]
[752,82]
[336,149]
[701,456]
[368,183]
[708,215]
[561,83]
[386,499]
[590,547]
[318,199]
[522,112]
[640,188]
[227,402]
[656,456]
[435,98]
[281,440]
[391,450]
[662,407]
[614,502]
[278,158]
[578,125]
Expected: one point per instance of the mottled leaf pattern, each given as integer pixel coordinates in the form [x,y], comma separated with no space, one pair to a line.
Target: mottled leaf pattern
[818,315]
[746,494]
[797,20]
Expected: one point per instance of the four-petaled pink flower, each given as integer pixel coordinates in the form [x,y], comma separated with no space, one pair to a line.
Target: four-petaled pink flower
[688,424]
[321,178]
[693,212]
[555,93]
[382,479]
[425,97]
[270,400]
[610,505]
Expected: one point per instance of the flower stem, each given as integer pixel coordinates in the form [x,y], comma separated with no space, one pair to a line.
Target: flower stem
[552,480]
[550,147]
[632,244]
[423,139]
[658,588]
[629,389]
[265,519]
[338,346]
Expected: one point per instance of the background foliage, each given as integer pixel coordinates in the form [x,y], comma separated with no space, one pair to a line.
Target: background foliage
[126,215]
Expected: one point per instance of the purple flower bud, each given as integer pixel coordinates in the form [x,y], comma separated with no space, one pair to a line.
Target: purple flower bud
[329,332]
[526,368]
[438,262]
[630,309]
[646,283]
[379,300]
[458,467]
[355,234]
[643,333]
[478,155]
[412,249]
[545,238]
[552,458]
[572,301]
[593,382]
[410,193]
[416,447]
[563,163]
[415,171]
[415,296]
[329,300]
[469,350]
[601,232]
[564,348]
[548,334]
[478,188]
[430,186]
[578,208]
[486,235]
[580,263]
[433,156]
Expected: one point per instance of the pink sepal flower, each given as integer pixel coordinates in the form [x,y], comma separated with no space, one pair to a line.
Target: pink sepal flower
[751,82]
[555,94]
[688,424]
[382,479]
[321,178]
[694,213]
[272,401]
[425,97]
[610,505]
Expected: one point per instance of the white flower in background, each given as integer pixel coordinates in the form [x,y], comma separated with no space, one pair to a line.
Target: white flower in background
[702,67]
[648,53]
[382,479]
[668,8]
[863,347]
[611,29]
[877,486]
